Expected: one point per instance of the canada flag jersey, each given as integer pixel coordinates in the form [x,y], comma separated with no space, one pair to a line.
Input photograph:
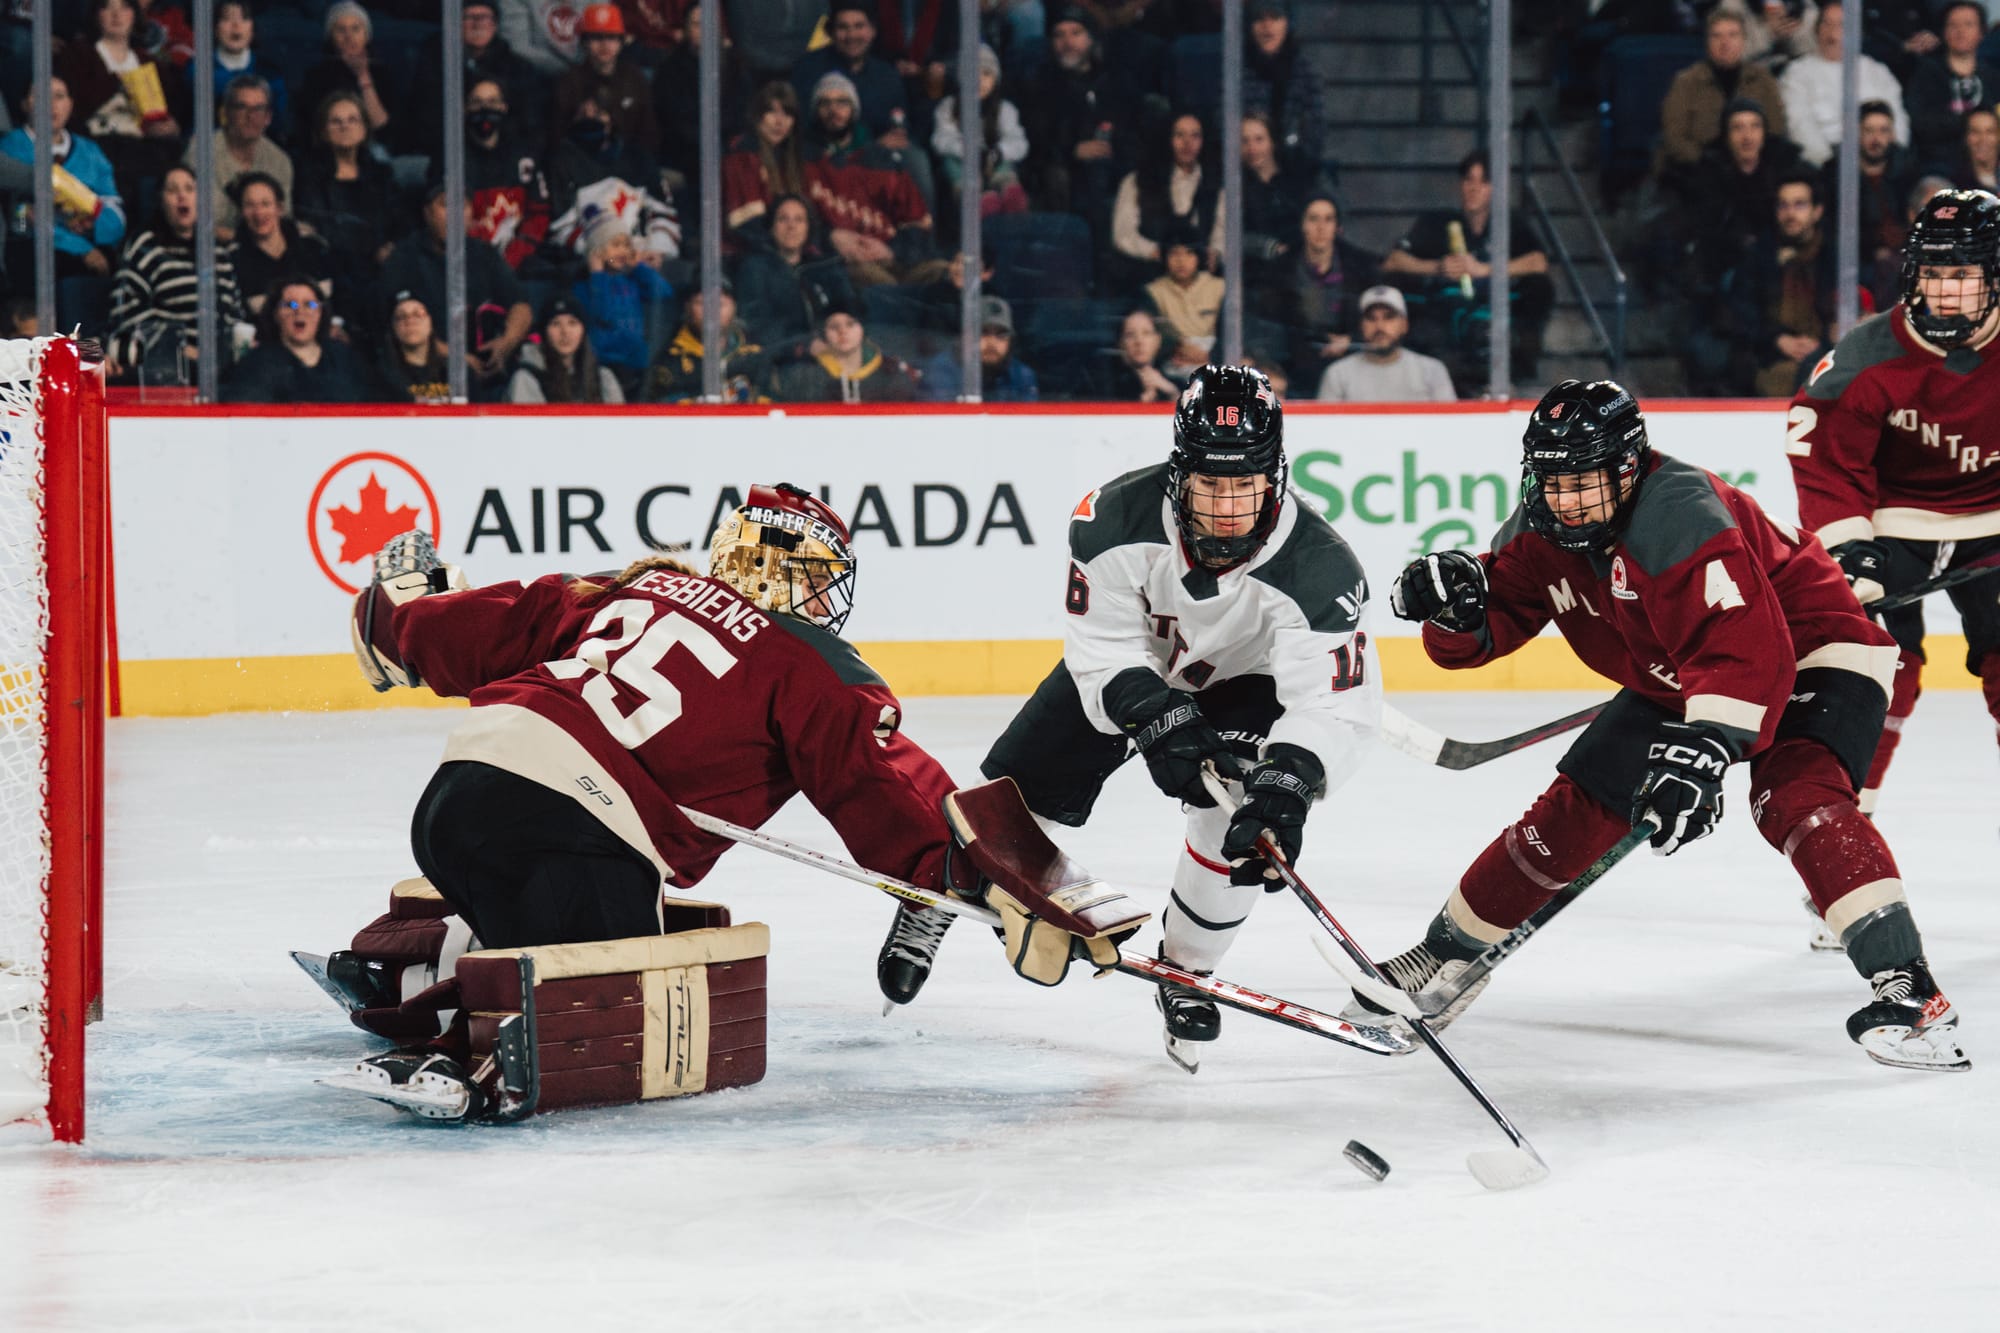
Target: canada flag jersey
[1704,605]
[1894,437]
[674,690]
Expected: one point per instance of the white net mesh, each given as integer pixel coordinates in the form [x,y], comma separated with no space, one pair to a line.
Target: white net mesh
[24,843]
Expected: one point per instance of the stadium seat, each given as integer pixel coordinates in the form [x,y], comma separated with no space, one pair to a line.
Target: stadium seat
[1038,255]
[1633,81]
[1194,74]
[1062,337]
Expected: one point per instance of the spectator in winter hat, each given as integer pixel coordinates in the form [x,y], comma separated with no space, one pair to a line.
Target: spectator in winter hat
[349,67]
[487,56]
[616,299]
[875,88]
[852,369]
[1003,378]
[1003,144]
[560,366]
[611,77]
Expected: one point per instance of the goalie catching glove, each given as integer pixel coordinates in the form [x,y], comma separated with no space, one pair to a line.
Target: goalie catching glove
[406,568]
[1051,909]
[1278,792]
[1171,732]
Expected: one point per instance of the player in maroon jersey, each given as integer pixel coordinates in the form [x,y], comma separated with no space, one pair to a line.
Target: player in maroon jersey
[1894,450]
[1734,641]
[599,707]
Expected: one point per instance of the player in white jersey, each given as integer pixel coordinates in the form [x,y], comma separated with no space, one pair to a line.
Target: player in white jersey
[1213,617]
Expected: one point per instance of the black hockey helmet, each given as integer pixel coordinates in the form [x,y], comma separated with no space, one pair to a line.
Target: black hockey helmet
[1956,229]
[1580,427]
[1227,424]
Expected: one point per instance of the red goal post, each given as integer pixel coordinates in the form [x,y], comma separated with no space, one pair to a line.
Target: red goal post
[54,561]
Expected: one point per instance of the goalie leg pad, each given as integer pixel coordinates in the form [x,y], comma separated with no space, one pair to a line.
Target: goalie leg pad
[1052,910]
[618,1021]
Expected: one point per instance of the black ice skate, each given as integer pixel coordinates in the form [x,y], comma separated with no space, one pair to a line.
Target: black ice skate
[424,1083]
[905,961]
[1413,970]
[1190,1017]
[1909,1024]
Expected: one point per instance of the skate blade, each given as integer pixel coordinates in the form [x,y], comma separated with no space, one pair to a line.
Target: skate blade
[1506,1168]
[1935,1051]
[1184,1054]
[432,1100]
[314,966]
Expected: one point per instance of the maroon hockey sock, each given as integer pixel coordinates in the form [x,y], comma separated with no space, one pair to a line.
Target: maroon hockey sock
[1989,683]
[1562,833]
[1902,702]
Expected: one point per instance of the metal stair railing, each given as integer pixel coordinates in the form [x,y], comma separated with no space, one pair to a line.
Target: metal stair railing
[1535,126]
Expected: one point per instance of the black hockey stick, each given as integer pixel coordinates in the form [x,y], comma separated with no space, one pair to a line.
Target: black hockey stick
[1362,1037]
[1420,742]
[1435,999]
[1951,578]
[1495,1168]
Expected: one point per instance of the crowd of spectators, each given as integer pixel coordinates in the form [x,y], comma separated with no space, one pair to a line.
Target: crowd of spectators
[1742,244]
[1098,178]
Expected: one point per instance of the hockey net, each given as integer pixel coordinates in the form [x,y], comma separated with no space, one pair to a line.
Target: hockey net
[53,547]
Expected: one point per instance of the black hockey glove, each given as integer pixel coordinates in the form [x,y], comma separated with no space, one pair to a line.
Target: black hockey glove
[1279,790]
[1683,784]
[1171,732]
[1448,587]
[1866,565]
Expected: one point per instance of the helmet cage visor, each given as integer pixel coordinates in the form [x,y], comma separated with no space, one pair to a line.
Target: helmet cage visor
[1975,293]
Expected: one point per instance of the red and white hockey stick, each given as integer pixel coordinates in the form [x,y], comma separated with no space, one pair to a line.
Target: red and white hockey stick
[1362,1037]
[1495,1168]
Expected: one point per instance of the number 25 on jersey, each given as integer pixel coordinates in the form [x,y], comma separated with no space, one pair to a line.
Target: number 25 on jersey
[638,648]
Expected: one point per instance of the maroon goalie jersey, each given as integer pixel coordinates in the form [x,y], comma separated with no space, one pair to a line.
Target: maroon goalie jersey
[1892,437]
[1705,605]
[674,690]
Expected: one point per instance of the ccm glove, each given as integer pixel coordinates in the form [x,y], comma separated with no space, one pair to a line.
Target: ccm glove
[1278,791]
[1447,588]
[1171,732]
[1683,785]
[1865,563]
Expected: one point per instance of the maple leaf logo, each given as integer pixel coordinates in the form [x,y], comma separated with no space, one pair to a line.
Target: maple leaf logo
[364,529]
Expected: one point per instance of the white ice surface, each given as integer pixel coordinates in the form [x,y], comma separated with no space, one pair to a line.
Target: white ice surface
[1005,1157]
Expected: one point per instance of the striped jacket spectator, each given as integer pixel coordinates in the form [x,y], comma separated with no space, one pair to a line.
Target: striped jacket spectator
[154,297]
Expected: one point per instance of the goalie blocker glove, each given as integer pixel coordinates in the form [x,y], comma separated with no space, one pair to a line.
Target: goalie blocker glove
[1683,784]
[1277,793]
[1171,732]
[406,568]
[1447,588]
[1865,564]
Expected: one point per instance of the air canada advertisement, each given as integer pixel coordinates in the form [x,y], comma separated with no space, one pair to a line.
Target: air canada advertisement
[246,537]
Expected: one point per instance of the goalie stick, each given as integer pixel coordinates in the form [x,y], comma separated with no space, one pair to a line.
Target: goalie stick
[1495,1168]
[1362,1037]
[1435,999]
[1418,741]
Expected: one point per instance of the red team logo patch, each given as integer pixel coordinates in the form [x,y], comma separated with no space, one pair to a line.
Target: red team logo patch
[360,503]
[1621,582]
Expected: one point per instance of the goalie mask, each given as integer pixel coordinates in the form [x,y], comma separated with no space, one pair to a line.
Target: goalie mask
[785,550]
[1957,229]
[1228,427]
[1583,428]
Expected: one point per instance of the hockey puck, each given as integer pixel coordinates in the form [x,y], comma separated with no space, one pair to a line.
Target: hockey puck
[1365,1159]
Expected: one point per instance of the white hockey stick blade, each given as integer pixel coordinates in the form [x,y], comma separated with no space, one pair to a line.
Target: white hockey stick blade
[1410,736]
[1398,1002]
[1506,1168]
